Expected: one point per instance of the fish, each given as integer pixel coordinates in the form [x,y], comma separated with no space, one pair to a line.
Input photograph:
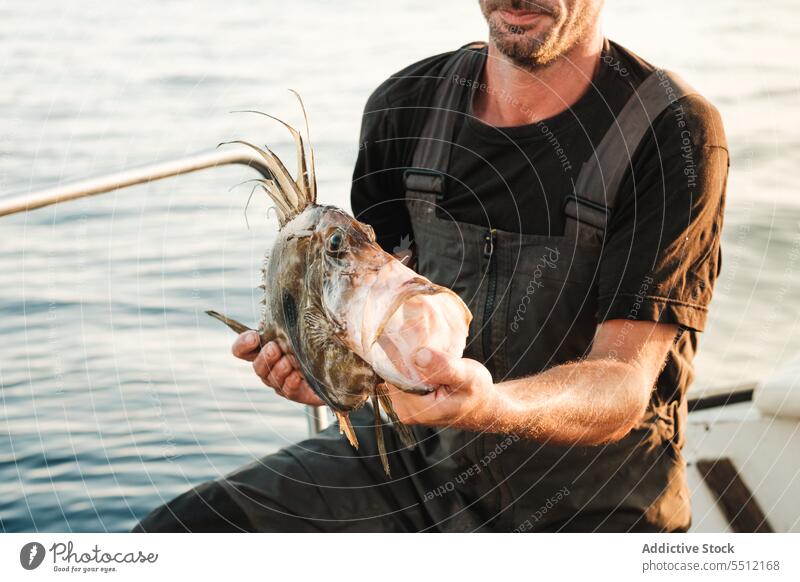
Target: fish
[350,313]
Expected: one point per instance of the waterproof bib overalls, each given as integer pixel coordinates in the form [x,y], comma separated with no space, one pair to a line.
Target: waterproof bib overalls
[534,305]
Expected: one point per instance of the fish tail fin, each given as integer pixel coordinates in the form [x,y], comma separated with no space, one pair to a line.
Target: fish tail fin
[379,432]
[231,323]
[346,428]
[405,434]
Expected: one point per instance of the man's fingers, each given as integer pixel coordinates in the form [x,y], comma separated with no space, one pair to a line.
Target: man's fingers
[441,368]
[246,346]
[264,365]
[279,372]
[297,389]
[401,407]
[272,353]
[410,406]
[262,369]
[293,384]
[311,398]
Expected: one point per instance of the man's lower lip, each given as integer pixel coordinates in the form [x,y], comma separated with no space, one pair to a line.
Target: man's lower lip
[519,17]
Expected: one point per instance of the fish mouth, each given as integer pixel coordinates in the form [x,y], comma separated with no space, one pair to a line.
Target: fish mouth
[410,290]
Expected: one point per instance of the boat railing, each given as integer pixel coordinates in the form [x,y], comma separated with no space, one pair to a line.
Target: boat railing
[317,417]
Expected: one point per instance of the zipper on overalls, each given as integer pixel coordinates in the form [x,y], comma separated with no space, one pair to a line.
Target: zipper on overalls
[489,240]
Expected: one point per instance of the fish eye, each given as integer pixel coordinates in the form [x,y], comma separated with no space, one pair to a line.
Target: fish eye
[335,242]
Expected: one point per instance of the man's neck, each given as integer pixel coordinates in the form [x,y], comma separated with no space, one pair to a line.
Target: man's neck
[515,96]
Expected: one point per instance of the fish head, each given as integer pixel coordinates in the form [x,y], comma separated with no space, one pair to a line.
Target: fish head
[339,291]
[348,253]
[382,310]
[327,254]
[317,255]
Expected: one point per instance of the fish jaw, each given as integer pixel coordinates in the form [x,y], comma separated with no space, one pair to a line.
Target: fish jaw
[432,320]
[391,312]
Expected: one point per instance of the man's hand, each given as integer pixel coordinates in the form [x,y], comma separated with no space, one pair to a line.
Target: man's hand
[278,371]
[467,397]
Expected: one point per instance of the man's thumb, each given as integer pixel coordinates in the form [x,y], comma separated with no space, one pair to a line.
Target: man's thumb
[440,367]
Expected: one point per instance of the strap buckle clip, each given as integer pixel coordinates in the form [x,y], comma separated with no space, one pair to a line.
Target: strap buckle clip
[424,181]
[586,211]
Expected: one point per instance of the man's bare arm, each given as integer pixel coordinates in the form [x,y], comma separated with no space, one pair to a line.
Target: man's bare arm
[595,400]
[598,399]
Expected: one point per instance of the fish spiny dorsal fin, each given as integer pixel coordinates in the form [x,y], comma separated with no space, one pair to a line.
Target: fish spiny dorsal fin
[290,195]
[312,172]
[281,206]
[302,179]
[264,270]
[288,187]
[262,302]
[282,189]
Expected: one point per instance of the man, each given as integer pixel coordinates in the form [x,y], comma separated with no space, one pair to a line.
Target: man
[572,195]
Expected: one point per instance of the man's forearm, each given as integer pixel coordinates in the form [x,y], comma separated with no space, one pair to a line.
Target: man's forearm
[590,402]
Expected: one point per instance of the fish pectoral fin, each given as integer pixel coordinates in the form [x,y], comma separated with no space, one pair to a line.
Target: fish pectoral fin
[405,434]
[376,406]
[318,330]
[231,323]
[346,428]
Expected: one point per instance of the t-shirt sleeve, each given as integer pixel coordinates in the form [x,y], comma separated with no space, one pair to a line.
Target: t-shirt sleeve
[662,251]
[377,195]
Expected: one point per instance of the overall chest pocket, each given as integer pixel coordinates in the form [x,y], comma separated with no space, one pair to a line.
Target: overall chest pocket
[550,304]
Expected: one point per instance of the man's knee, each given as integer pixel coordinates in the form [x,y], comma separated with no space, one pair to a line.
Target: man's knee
[206,508]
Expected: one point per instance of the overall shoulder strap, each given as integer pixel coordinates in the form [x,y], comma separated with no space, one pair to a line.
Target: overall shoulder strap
[432,152]
[601,175]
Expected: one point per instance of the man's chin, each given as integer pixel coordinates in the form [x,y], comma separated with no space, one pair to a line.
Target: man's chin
[526,52]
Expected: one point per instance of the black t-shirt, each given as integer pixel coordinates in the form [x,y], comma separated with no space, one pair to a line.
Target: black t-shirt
[666,222]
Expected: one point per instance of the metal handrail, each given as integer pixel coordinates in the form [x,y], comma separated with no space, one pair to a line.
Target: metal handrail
[317,420]
[132,177]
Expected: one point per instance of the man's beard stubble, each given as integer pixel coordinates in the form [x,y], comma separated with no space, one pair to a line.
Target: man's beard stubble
[533,51]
